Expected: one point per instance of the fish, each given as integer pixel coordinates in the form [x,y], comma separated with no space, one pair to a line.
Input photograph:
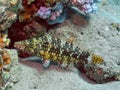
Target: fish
[51,49]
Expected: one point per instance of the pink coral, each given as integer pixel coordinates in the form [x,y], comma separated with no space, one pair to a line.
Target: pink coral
[44,12]
[86,6]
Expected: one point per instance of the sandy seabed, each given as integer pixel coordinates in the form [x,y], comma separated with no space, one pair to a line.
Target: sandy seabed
[97,36]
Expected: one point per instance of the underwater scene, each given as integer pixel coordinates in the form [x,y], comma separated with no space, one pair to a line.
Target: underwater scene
[59,44]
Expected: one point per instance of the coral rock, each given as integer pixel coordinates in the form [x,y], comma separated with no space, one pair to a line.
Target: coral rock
[7,73]
[7,14]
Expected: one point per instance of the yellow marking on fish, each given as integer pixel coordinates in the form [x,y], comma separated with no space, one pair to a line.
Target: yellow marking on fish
[97,59]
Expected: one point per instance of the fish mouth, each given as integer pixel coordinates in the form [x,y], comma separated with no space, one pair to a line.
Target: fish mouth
[19,46]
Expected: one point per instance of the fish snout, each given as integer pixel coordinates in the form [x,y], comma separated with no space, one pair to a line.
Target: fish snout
[19,46]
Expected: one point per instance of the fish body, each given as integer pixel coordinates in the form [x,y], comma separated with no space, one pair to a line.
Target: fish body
[53,49]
